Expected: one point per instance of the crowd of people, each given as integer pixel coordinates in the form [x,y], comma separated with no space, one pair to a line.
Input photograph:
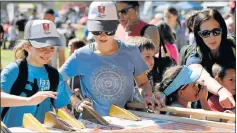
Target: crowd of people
[127,60]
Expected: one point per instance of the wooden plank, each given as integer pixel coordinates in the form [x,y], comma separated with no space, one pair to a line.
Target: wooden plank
[193,112]
[185,120]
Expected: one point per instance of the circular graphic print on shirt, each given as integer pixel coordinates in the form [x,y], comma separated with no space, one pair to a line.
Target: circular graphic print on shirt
[108,84]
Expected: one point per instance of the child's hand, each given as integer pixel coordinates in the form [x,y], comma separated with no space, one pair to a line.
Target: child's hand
[203,93]
[41,96]
[226,99]
[82,104]
[149,102]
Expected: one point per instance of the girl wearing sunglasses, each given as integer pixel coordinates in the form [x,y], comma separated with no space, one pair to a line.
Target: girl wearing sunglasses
[107,67]
[213,46]
[131,25]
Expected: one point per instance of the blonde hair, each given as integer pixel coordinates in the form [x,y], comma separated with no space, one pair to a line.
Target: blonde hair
[19,51]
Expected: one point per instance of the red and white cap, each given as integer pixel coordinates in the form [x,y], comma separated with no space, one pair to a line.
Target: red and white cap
[41,33]
[102,16]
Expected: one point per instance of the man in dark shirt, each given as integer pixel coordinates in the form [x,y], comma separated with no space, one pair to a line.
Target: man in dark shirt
[20,23]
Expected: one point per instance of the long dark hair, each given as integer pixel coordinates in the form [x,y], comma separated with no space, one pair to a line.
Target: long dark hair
[226,53]
[175,12]
[166,33]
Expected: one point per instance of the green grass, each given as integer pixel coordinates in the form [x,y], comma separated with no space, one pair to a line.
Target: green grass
[7,56]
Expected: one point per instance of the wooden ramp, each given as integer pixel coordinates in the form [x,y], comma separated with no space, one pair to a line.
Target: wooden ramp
[194,113]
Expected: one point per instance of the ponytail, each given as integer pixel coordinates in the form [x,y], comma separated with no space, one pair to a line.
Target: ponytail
[19,51]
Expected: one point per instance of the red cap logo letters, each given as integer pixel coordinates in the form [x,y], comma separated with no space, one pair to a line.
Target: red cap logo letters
[101,11]
[46,28]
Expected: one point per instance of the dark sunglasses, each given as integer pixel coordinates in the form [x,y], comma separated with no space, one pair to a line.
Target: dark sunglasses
[207,33]
[108,33]
[125,10]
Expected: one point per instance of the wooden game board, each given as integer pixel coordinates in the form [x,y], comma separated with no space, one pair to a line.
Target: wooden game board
[154,123]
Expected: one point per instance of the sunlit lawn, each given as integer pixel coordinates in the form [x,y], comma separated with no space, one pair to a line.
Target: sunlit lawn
[7,56]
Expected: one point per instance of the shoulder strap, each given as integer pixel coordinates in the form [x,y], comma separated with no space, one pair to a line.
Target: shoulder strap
[185,53]
[20,83]
[53,76]
[144,29]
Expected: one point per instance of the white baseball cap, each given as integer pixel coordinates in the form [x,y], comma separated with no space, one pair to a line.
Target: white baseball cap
[102,16]
[41,33]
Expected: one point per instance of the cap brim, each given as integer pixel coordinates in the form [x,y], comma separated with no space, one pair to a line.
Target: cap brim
[195,75]
[185,76]
[102,25]
[199,71]
[45,42]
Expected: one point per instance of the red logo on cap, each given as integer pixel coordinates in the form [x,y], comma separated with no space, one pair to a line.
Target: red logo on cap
[101,10]
[46,28]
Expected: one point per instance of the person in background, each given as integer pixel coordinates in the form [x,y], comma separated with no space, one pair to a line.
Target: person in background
[147,49]
[231,21]
[70,33]
[107,67]
[171,17]
[5,35]
[131,25]
[168,39]
[20,24]
[59,52]
[12,36]
[73,45]
[34,15]
[190,25]
[226,76]
[179,87]
[74,83]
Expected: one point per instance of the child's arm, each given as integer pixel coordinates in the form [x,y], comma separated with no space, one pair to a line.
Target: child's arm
[143,83]
[203,94]
[8,100]
[66,96]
